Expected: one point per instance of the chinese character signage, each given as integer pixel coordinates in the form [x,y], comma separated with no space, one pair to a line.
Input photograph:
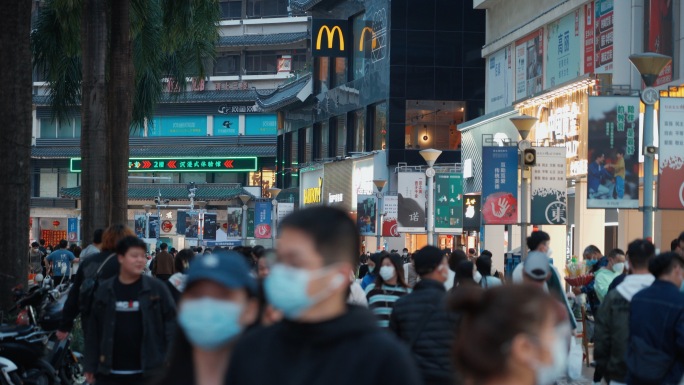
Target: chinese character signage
[226,125]
[262,220]
[72,229]
[548,185]
[603,36]
[529,65]
[389,219]
[500,79]
[671,156]
[185,164]
[261,124]
[250,223]
[411,201]
[366,214]
[589,23]
[563,51]
[210,223]
[178,126]
[284,209]
[448,203]
[471,213]
[500,185]
[659,33]
[613,164]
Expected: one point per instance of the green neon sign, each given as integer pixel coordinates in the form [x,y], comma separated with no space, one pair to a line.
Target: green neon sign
[184,164]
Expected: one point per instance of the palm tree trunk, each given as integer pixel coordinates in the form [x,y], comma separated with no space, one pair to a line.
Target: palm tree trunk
[120,91]
[95,187]
[15,146]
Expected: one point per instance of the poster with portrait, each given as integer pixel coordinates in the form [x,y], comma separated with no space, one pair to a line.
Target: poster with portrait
[670,154]
[563,61]
[613,152]
[659,34]
[411,201]
[529,65]
[140,224]
[367,214]
[603,36]
[152,226]
[500,185]
[548,186]
[187,224]
[389,216]
[210,227]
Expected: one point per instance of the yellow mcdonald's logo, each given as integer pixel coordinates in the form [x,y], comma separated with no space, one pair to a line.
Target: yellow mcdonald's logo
[330,33]
[374,44]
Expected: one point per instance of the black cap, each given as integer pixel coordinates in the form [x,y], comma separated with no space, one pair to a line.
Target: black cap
[427,259]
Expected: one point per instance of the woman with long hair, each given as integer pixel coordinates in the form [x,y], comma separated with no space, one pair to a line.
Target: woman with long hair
[484,267]
[389,286]
[509,335]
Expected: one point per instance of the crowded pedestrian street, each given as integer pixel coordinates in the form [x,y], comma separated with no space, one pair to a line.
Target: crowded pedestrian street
[342,192]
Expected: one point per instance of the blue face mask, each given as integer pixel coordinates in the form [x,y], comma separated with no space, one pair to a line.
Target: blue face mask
[286,289]
[591,262]
[210,323]
[371,268]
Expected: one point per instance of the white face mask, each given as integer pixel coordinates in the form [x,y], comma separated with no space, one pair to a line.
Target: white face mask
[619,267]
[477,276]
[548,374]
[549,252]
[387,272]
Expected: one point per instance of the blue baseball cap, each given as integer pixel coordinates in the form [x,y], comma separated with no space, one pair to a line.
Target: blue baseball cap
[228,269]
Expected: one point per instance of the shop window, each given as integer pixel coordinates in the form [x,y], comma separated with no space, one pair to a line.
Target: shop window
[341,137]
[308,155]
[65,129]
[322,83]
[300,61]
[340,71]
[261,63]
[197,177]
[432,124]
[231,9]
[77,128]
[265,178]
[227,65]
[48,128]
[379,126]
[226,177]
[359,124]
[324,140]
[267,8]
[361,56]
[49,182]
[294,154]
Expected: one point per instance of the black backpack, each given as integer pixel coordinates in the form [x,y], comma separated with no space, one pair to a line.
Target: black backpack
[89,286]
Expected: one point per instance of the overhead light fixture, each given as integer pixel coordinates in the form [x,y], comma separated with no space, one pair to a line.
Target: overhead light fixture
[425,137]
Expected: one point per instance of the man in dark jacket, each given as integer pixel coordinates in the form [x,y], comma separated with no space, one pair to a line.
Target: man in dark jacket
[132,323]
[612,321]
[656,325]
[163,264]
[422,321]
[322,341]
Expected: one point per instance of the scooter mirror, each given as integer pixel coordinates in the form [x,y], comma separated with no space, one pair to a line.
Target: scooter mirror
[39,278]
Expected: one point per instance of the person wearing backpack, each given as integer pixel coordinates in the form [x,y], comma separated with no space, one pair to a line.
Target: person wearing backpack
[80,295]
[655,352]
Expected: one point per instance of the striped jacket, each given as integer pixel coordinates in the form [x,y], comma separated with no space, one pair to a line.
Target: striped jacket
[381,300]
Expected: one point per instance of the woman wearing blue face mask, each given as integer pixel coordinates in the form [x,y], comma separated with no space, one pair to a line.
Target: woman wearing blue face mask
[217,304]
[389,286]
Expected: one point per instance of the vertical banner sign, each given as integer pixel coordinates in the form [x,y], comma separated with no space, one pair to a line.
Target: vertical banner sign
[152,225]
[389,217]
[448,203]
[284,209]
[471,213]
[140,224]
[589,23]
[262,220]
[659,33]
[72,229]
[613,170]
[529,64]
[670,156]
[411,201]
[210,224]
[603,36]
[549,193]
[187,224]
[367,214]
[250,223]
[563,61]
[233,225]
[500,79]
[500,185]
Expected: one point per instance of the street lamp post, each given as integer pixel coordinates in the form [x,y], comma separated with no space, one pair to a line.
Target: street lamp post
[244,198]
[274,191]
[200,236]
[379,184]
[523,124]
[430,155]
[649,65]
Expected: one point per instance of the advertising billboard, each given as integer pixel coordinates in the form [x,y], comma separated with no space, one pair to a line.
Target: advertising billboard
[411,201]
[659,34]
[390,228]
[613,157]
[448,203]
[500,185]
[472,213]
[500,79]
[262,219]
[529,65]
[367,214]
[603,36]
[670,155]
[563,58]
[548,187]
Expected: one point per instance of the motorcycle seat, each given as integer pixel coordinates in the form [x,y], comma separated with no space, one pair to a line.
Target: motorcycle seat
[17,330]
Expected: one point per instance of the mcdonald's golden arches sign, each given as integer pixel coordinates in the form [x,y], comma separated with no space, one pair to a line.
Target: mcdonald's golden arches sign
[330,37]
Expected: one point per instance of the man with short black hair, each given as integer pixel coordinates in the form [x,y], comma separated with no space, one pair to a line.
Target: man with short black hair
[94,247]
[132,324]
[60,262]
[163,266]
[317,253]
[422,321]
[605,275]
[680,243]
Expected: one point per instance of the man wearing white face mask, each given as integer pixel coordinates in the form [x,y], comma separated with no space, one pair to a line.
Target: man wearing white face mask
[319,341]
[422,321]
[605,275]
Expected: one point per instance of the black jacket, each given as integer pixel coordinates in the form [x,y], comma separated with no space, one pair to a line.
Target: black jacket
[350,349]
[422,321]
[91,264]
[158,313]
[611,336]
